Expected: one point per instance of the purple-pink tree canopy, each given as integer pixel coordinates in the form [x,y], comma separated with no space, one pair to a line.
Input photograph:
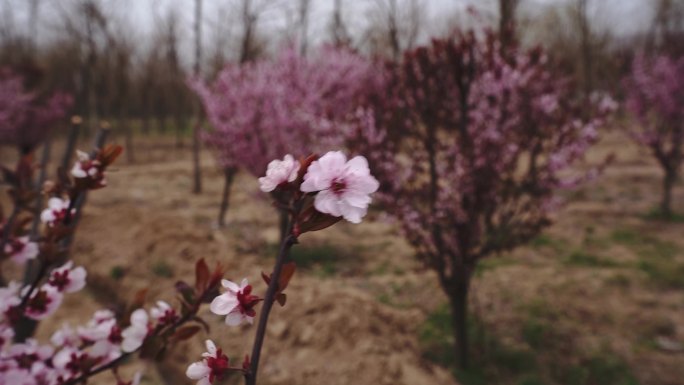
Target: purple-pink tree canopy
[470,145]
[25,118]
[260,111]
[655,96]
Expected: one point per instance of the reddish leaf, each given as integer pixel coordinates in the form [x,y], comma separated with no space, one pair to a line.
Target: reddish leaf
[202,322]
[281,298]
[139,299]
[304,164]
[186,332]
[109,154]
[201,275]
[285,275]
[266,278]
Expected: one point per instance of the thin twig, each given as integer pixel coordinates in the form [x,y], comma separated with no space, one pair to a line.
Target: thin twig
[286,244]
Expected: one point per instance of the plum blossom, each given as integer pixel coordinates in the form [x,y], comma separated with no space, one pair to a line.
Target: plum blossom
[56,211]
[134,335]
[65,336]
[21,249]
[163,313]
[237,303]
[6,335]
[43,302]
[89,169]
[9,298]
[98,327]
[68,279]
[213,367]
[84,166]
[279,172]
[343,187]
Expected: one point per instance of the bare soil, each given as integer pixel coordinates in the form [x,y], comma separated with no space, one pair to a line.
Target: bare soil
[604,281]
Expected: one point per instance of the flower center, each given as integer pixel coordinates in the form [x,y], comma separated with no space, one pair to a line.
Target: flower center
[247,301]
[40,302]
[25,361]
[16,246]
[169,317]
[219,365]
[115,335]
[60,279]
[338,186]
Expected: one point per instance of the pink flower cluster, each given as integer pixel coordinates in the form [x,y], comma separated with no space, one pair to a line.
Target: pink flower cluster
[342,187]
[470,145]
[655,96]
[25,118]
[262,110]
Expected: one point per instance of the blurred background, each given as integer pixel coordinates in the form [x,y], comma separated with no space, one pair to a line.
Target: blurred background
[597,298]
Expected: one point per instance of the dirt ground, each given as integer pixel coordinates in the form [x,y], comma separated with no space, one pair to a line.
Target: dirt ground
[597,299]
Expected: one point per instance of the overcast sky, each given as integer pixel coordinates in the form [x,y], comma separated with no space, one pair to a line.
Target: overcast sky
[621,17]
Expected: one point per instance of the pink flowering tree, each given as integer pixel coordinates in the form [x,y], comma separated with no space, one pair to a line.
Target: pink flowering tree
[263,110]
[25,117]
[655,97]
[315,192]
[470,146]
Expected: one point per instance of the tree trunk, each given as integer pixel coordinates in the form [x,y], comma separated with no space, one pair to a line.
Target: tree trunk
[668,184]
[197,171]
[458,298]
[229,175]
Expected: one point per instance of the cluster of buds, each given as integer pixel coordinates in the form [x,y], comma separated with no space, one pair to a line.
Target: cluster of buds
[88,172]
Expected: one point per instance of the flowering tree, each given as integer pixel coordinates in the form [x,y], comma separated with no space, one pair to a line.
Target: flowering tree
[314,192]
[265,109]
[470,145]
[655,96]
[26,118]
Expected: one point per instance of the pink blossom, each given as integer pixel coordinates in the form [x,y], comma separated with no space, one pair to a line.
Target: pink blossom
[213,367]
[88,168]
[237,303]
[68,279]
[43,302]
[30,355]
[9,298]
[55,212]
[98,327]
[21,249]
[163,313]
[65,336]
[135,334]
[279,172]
[25,118]
[343,187]
[6,335]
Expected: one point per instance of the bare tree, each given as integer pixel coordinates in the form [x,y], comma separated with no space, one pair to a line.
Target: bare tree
[507,23]
[586,51]
[303,26]
[395,26]
[667,28]
[340,35]
[197,171]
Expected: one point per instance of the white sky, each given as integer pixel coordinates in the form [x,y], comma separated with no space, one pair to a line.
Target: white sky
[622,17]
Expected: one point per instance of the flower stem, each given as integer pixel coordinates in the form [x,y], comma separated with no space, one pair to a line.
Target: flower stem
[285,245]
